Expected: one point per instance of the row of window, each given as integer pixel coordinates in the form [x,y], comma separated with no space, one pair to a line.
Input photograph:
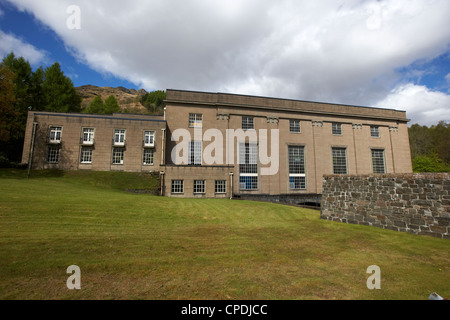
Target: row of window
[196,121]
[53,155]
[248,167]
[88,136]
[220,186]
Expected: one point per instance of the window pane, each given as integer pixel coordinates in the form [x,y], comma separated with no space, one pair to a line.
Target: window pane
[248,158]
[378,161]
[118,156]
[149,137]
[374,131]
[53,154]
[88,134]
[86,155]
[294,126]
[195,153]
[148,156]
[337,129]
[297,182]
[55,134]
[247,123]
[195,120]
[177,186]
[339,161]
[248,182]
[199,186]
[296,159]
[220,186]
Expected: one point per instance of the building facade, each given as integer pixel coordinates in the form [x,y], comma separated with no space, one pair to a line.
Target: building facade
[227,145]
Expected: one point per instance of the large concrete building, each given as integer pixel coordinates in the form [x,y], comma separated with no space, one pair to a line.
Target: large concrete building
[227,145]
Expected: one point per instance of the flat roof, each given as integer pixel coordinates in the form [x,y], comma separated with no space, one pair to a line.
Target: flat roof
[115,116]
[280,104]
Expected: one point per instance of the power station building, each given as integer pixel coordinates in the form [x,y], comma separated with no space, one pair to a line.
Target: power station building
[226,145]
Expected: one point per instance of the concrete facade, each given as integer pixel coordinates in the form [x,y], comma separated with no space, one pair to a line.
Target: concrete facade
[225,113]
[197,142]
[100,143]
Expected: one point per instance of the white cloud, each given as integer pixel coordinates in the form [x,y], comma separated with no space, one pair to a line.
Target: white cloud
[345,51]
[421,104]
[9,43]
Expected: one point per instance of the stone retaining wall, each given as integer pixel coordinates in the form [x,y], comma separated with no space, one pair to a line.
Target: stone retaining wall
[418,203]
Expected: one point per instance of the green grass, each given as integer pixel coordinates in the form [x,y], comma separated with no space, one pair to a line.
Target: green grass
[142,246]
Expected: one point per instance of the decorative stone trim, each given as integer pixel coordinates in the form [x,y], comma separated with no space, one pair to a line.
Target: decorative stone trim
[223,116]
[317,123]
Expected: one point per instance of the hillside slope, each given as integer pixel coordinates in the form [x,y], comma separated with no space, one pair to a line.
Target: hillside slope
[128,99]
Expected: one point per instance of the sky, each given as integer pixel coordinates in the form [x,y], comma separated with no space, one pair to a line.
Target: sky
[387,54]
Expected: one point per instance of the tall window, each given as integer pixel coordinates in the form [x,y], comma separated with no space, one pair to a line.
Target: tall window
[117,157]
[119,137]
[248,123]
[297,177]
[374,131]
[220,186]
[248,166]
[195,153]
[53,154]
[148,156]
[177,186]
[149,138]
[199,186]
[339,156]
[86,155]
[55,134]
[195,120]
[294,126]
[88,136]
[378,161]
[336,129]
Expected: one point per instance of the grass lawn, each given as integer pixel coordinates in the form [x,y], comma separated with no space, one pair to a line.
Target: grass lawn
[142,246]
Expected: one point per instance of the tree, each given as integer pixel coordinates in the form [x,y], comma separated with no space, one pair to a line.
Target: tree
[8,115]
[59,92]
[431,163]
[430,147]
[153,101]
[111,105]
[97,106]
[39,90]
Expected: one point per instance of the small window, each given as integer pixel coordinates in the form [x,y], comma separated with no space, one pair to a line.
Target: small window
[378,161]
[374,131]
[339,160]
[117,157]
[149,138]
[195,120]
[294,126]
[177,186]
[88,136]
[53,154]
[148,157]
[199,186]
[55,134]
[220,186]
[86,155]
[119,137]
[336,129]
[248,123]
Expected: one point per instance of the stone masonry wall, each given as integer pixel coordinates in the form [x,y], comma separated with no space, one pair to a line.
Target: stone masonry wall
[418,203]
